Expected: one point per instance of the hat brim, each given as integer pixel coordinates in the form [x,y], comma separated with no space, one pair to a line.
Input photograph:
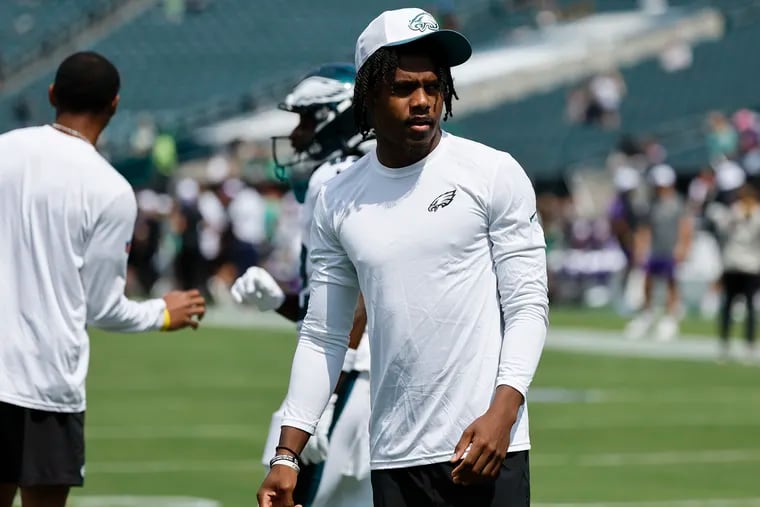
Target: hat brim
[455,46]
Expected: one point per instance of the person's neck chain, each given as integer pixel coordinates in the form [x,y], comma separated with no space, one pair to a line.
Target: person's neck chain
[70,131]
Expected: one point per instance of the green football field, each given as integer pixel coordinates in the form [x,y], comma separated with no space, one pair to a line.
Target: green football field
[182,417]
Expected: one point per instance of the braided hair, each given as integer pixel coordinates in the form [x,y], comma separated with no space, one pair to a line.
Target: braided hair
[381,68]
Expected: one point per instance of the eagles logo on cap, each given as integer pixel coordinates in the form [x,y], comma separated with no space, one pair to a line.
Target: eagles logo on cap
[404,26]
[423,22]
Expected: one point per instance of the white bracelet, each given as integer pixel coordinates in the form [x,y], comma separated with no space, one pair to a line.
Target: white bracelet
[349,361]
[285,462]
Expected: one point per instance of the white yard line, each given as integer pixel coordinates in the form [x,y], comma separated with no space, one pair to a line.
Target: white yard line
[613,343]
[661,458]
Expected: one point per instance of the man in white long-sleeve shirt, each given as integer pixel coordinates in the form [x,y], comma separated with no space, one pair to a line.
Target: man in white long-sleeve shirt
[66,219]
[441,236]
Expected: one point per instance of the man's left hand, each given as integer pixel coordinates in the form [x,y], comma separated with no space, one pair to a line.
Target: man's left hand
[481,450]
[484,443]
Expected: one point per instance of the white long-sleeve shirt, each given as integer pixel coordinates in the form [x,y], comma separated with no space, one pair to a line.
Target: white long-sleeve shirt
[66,219]
[321,176]
[450,258]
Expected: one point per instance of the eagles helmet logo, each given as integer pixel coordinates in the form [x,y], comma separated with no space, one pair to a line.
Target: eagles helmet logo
[423,22]
[442,201]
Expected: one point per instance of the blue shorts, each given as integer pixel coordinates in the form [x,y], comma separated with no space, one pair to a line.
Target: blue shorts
[662,267]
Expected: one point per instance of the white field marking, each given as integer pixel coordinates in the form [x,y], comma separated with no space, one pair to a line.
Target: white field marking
[207,432]
[612,343]
[670,395]
[717,502]
[663,458]
[667,395]
[138,501]
[640,421]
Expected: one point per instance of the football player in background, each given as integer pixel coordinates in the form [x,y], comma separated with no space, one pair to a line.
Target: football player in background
[325,142]
[67,225]
[663,240]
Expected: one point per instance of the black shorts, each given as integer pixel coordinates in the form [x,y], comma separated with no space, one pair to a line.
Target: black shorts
[39,448]
[431,486]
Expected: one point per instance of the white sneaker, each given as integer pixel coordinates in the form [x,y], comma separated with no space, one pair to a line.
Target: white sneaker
[724,353]
[751,356]
[667,329]
[640,325]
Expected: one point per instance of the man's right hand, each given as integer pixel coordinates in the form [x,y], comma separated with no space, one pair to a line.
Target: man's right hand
[257,287]
[277,488]
[183,306]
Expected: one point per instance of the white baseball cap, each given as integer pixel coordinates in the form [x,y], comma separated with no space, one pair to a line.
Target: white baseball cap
[626,179]
[663,175]
[402,26]
[729,175]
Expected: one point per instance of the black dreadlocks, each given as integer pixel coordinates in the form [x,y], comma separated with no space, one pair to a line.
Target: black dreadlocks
[381,68]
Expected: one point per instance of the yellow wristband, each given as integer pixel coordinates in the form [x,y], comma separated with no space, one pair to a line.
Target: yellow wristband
[167,320]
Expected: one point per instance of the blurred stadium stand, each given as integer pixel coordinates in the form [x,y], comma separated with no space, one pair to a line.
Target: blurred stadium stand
[29,26]
[219,58]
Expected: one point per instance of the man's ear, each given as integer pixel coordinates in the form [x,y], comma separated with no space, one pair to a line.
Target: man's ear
[51,95]
[114,105]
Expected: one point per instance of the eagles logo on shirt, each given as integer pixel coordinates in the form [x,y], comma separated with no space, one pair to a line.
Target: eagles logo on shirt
[442,201]
[423,22]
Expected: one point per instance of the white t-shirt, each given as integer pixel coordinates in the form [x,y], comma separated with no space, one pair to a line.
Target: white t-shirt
[319,178]
[450,257]
[66,219]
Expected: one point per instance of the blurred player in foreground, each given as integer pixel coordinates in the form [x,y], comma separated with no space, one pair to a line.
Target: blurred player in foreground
[66,219]
[325,142]
[441,234]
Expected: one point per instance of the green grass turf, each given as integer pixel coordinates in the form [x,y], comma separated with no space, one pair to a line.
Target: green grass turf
[187,413]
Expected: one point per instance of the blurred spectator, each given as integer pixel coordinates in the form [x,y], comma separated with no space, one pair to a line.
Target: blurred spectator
[164,158]
[748,128]
[623,224]
[702,190]
[662,242]
[738,229]
[597,101]
[606,92]
[247,211]
[191,268]
[722,139]
[729,177]
[653,151]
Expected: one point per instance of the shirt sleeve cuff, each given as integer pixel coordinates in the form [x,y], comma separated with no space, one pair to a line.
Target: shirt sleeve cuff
[300,425]
[158,305]
[514,384]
